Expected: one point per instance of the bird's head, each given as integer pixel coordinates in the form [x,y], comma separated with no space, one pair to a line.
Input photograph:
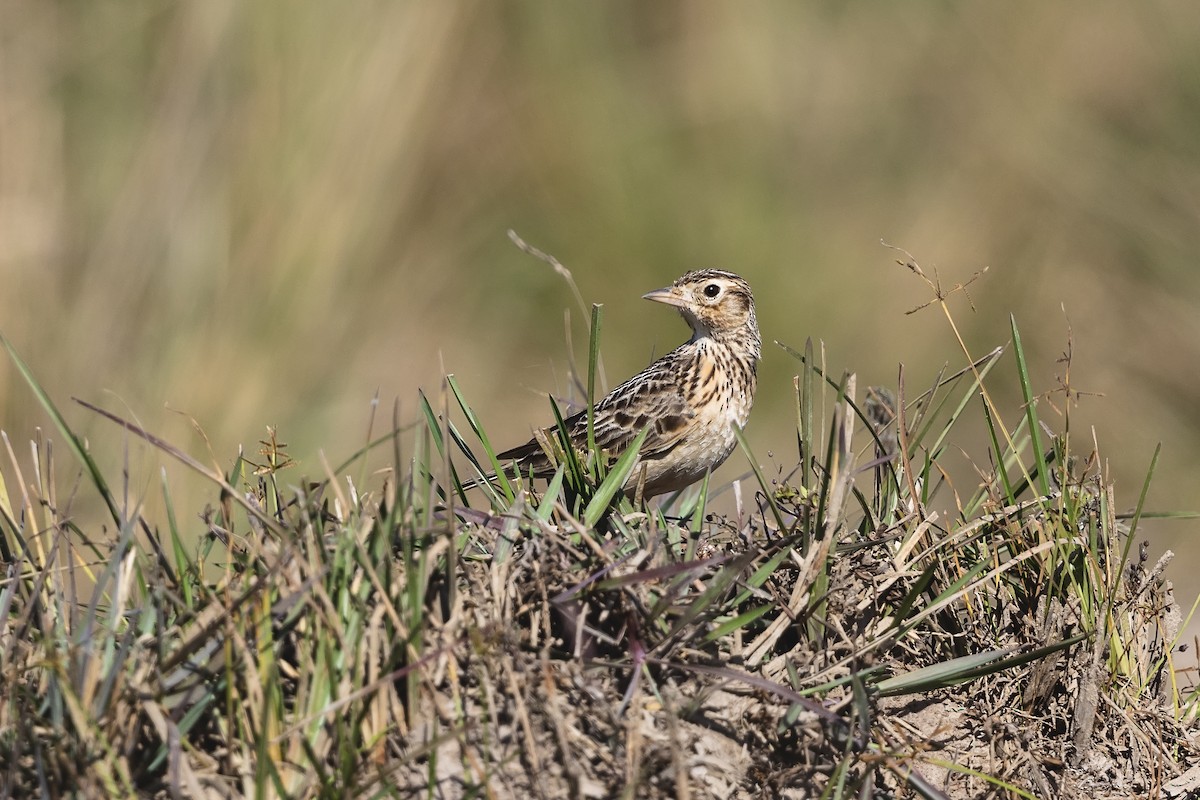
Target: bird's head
[715,303]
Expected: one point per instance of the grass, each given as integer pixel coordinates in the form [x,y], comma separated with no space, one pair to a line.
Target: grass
[865,625]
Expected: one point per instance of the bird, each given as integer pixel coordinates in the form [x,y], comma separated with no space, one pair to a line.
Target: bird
[689,401]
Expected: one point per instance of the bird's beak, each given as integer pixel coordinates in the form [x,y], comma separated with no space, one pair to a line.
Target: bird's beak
[670,295]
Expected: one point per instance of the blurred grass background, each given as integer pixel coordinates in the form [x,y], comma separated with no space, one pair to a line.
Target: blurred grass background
[266,213]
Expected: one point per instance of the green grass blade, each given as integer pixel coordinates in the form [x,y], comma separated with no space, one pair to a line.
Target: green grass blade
[718,585]
[760,575]
[805,412]
[183,563]
[967,668]
[740,621]
[612,484]
[1133,525]
[576,473]
[998,450]
[546,508]
[593,358]
[435,431]
[481,434]
[73,441]
[944,426]
[1039,458]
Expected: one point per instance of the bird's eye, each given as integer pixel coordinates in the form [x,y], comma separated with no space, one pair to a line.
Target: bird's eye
[712,290]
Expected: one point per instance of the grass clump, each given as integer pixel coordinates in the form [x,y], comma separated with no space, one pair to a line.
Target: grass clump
[381,631]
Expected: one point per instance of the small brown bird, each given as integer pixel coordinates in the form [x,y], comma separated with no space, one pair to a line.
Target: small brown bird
[690,399]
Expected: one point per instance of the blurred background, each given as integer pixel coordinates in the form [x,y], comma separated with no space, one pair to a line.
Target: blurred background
[268,213]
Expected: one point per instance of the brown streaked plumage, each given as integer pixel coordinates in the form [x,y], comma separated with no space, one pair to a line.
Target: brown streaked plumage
[690,398]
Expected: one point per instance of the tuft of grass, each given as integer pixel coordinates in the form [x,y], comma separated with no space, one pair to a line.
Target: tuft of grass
[864,625]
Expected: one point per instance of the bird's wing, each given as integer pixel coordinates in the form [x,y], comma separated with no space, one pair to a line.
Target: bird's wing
[654,397]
